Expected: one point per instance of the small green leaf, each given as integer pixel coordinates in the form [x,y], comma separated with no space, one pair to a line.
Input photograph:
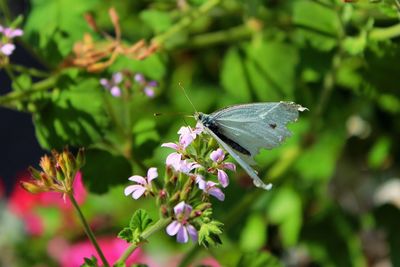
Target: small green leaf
[140,220]
[233,75]
[209,234]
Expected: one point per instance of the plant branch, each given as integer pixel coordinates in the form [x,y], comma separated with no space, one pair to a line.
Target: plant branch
[88,231]
[160,224]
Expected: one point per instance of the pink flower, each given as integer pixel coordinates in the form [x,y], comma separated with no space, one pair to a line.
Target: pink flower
[10,32]
[72,255]
[210,188]
[143,184]
[181,227]
[218,157]
[113,84]
[7,48]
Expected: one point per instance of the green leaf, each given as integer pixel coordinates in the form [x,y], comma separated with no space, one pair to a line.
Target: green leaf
[286,211]
[209,234]
[159,21]
[233,75]
[74,115]
[62,25]
[103,169]
[316,24]
[272,69]
[140,221]
[258,259]
[254,233]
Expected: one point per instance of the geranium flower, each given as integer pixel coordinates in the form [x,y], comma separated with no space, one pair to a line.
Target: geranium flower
[113,84]
[210,188]
[218,157]
[181,227]
[143,184]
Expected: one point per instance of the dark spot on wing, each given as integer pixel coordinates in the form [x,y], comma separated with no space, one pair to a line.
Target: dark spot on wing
[272,125]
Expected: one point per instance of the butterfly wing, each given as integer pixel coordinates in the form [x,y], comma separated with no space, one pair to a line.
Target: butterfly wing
[253,174]
[258,125]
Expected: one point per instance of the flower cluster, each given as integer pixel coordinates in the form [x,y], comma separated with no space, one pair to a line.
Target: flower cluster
[7,34]
[125,80]
[195,170]
[58,173]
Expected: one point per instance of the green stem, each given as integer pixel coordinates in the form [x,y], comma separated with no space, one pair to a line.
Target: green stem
[43,85]
[160,224]
[186,21]
[225,36]
[88,231]
[379,34]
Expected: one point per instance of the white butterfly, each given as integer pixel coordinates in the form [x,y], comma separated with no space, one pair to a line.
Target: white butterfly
[243,129]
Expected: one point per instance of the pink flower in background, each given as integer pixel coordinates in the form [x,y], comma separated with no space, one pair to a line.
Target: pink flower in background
[72,255]
[23,204]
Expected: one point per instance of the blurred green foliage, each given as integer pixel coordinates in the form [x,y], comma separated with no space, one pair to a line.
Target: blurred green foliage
[340,60]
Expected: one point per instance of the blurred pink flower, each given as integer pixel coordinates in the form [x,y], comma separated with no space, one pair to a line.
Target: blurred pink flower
[72,255]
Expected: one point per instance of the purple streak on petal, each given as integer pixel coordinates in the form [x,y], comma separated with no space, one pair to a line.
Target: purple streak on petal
[152,84]
[192,232]
[152,174]
[138,179]
[179,208]
[229,166]
[149,91]
[217,155]
[173,228]
[7,49]
[223,178]
[115,91]
[217,193]
[182,236]
[170,145]
[117,77]
[138,192]
[139,78]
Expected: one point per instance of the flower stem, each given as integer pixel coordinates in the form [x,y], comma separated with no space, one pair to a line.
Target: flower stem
[88,231]
[161,223]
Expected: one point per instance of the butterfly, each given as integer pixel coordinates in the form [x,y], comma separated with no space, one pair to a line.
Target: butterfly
[242,130]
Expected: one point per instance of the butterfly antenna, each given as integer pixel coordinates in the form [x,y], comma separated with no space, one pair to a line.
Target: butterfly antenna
[187,97]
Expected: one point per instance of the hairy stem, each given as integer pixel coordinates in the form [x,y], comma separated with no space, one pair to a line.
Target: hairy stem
[160,224]
[88,231]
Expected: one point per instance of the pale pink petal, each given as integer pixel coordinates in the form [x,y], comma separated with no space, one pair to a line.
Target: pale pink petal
[138,179]
[117,77]
[130,189]
[173,228]
[138,192]
[179,208]
[115,91]
[170,145]
[152,174]
[192,232]
[229,166]
[7,49]
[182,236]
[217,155]
[223,178]
[217,193]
